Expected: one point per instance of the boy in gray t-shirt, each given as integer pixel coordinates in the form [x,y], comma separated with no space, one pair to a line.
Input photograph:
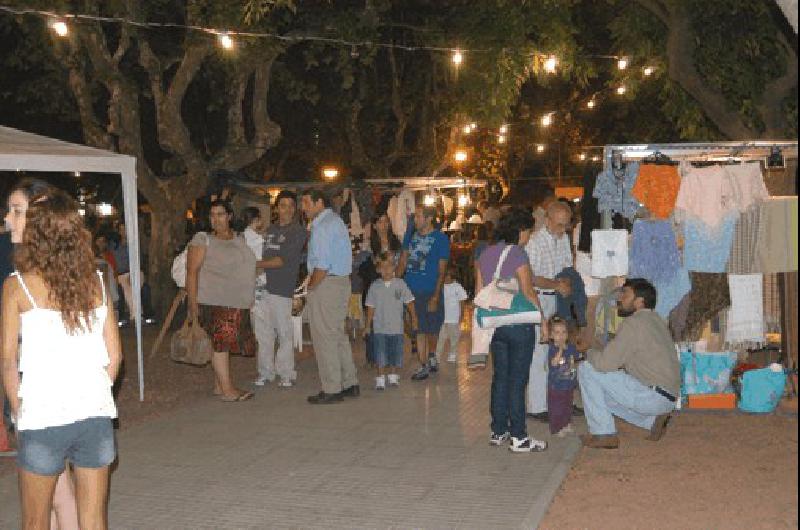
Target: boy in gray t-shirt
[386,299]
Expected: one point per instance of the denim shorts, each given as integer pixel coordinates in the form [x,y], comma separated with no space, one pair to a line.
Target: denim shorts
[86,443]
[388,350]
[429,322]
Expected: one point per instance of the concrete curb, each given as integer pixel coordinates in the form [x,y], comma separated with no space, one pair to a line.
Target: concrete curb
[540,506]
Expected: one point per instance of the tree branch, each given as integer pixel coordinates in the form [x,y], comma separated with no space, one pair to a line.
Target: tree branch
[776,92]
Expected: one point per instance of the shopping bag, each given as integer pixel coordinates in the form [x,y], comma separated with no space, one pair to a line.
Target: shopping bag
[191,345]
[521,311]
[762,389]
[706,373]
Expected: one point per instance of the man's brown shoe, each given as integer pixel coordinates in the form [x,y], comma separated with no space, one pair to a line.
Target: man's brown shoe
[659,427]
[600,442]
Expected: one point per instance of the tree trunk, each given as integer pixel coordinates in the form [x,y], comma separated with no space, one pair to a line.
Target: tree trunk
[167,233]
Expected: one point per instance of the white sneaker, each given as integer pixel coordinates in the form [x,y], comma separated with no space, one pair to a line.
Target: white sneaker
[286,383]
[526,445]
[380,383]
[394,380]
[566,431]
[452,358]
[261,381]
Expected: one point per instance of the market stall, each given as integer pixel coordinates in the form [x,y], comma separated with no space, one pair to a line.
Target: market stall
[24,151]
[714,227]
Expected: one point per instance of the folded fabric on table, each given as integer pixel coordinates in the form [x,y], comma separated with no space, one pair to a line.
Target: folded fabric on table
[745,318]
[776,249]
[654,251]
[614,194]
[707,248]
[609,253]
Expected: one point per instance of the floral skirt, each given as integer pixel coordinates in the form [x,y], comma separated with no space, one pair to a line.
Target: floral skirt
[229,329]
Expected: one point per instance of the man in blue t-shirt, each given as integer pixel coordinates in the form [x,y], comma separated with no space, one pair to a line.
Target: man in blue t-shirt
[422,265]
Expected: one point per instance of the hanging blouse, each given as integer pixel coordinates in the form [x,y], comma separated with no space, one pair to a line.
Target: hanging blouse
[705,194]
[747,184]
[609,253]
[654,251]
[657,188]
[669,293]
[614,194]
[707,249]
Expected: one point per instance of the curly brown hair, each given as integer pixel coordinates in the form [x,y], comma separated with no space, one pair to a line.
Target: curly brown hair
[57,247]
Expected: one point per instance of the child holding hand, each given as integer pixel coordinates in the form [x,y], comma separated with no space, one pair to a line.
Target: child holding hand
[386,300]
[562,378]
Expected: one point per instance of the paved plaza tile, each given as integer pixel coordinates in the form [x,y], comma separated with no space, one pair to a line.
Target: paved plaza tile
[409,457]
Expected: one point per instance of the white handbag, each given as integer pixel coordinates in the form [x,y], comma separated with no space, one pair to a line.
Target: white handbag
[497,294]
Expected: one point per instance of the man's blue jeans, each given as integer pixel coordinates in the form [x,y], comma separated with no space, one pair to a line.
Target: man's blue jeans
[609,394]
[512,350]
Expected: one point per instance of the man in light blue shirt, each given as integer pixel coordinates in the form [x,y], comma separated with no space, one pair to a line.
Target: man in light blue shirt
[330,262]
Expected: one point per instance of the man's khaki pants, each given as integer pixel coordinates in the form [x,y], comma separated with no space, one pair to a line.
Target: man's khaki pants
[327,310]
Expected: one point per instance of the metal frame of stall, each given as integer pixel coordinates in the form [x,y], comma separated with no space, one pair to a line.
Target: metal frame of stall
[615,156]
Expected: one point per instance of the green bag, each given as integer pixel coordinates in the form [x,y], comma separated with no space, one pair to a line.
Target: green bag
[522,311]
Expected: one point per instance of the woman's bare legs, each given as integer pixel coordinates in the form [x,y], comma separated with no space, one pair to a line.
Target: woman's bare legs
[65,510]
[36,493]
[221,363]
[92,496]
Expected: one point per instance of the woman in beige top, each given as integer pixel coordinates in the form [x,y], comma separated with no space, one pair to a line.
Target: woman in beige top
[220,283]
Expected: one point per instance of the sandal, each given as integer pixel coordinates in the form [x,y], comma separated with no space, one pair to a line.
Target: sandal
[243,396]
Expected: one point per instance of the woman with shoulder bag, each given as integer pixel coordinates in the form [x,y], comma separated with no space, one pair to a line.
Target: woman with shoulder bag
[220,285]
[512,345]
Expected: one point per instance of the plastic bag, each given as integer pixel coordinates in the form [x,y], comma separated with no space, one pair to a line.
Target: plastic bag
[762,389]
[706,373]
[191,345]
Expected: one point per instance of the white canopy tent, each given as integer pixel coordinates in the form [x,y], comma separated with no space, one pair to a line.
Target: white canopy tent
[23,151]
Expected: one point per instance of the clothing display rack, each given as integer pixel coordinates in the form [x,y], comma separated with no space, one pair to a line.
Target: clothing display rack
[774,153]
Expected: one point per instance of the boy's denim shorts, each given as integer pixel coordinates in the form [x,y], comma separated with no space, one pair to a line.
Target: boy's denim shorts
[86,443]
[388,350]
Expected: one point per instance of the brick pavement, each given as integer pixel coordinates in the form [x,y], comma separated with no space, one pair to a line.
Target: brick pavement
[412,457]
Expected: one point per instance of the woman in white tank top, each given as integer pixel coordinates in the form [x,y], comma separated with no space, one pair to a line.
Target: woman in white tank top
[69,357]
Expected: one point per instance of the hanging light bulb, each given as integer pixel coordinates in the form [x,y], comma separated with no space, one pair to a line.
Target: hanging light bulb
[582,157]
[429,200]
[60,27]
[595,158]
[473,125]
[503,129]
[648,71]
[463,200]
[501,139]
[330,172]
[540,148]
[547,120]
[467,129]
[622,63]
[591,103]
[457,58]
[550,64]
[225,41]
[621,90]
[460,155]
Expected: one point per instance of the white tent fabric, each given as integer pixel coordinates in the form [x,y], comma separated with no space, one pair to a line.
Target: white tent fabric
[23,151]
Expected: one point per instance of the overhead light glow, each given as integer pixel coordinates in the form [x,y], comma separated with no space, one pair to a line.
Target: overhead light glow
[547,120]
[457,58]
[225,41]
[473,125]
[104,209]
[77,173]
[621,90]
[429,200]
[550,64]
[467,129]
[540,148]
[60,27]
[330,172]
[582,156]
[595,158]
[503,129]
[648,71]
[463,200]
[82,212]
[622,63]
[460,155]
[501,139]
[591,103]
